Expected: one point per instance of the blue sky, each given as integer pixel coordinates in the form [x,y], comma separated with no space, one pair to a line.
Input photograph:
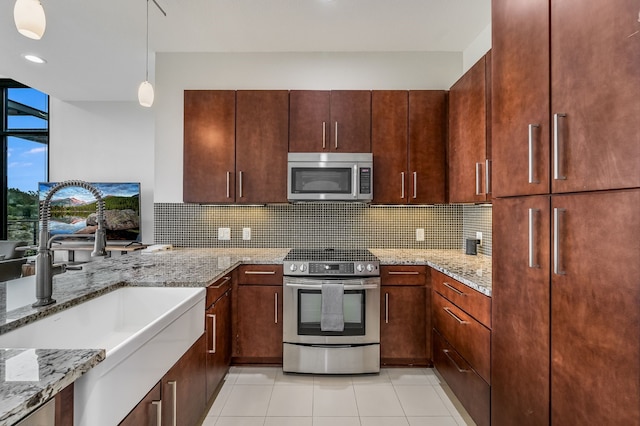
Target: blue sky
[27,160]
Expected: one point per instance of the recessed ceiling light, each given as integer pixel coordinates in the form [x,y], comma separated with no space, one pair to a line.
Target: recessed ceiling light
[34,59]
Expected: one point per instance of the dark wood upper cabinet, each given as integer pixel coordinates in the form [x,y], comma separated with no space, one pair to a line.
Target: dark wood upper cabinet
[592,106]
[209,146]
[408,144]
[427,146]
[330,121]
[261,146]
[468,161]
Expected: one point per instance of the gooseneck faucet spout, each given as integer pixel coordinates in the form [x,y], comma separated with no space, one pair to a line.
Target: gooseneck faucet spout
[45,270]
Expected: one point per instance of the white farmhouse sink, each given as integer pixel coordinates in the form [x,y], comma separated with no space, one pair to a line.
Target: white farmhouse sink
[144,331]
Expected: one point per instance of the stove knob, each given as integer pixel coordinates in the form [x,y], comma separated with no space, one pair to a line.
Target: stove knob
[302,268]
[360,267]
[370,268]
[293,267]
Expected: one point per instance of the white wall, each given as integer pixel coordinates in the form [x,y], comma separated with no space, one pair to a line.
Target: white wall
[176,72]
[104,142]
[477,48]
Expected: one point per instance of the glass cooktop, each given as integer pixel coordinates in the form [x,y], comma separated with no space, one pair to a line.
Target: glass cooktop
[330,255]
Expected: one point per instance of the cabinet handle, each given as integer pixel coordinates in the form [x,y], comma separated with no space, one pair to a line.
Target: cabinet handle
[557,256]
[532,164]
[158,405]
[240,175]
[386,308]
[478,178]
[557,148]
[224,281]
[487,176]
[336,135]
[259,272]
[452,288]
[174,386]
[532,244]
[415,184]
[455,364]
[275,318]
[228,184]
[213,333]
[457,318]
[324,134]
[404,273]
[402,187]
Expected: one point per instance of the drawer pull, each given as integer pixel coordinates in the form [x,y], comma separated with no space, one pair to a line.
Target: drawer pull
[404,273]
[224,281]
[457,318]
[460,370]
[452,288]
[259,272]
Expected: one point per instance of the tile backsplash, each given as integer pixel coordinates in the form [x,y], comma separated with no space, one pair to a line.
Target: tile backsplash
[349,225]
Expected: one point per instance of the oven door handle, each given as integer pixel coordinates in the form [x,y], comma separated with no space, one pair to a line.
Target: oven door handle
[319,286]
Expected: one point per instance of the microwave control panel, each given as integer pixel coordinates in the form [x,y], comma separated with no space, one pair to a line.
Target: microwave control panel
[365,180]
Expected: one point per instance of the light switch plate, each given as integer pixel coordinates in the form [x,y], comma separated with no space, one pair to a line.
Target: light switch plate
[419,234]
[479,237]
[224,233]
[246,234]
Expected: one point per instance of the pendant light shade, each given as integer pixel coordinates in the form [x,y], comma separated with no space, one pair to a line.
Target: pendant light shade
[29,18]
[145,94]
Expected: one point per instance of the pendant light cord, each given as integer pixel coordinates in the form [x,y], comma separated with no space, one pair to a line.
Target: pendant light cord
[147,51]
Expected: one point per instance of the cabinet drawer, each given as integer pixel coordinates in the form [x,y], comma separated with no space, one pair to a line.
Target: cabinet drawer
[403,275]
[260,274]
[471,301]
[217,289]
[473,392]
[470,338]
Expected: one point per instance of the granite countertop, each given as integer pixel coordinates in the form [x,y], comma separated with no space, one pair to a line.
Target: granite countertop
[473,271]
[181,267]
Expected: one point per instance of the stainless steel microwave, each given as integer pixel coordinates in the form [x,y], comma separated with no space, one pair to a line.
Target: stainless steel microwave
[320,176]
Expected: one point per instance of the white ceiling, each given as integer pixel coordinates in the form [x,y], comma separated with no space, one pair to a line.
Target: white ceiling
[95,49]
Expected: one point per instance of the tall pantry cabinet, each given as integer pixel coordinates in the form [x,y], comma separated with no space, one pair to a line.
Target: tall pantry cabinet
[566,177]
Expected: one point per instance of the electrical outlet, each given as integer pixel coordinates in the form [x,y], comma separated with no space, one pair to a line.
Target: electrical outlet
[224,233]
[419,234]
[246,234]
[479,237]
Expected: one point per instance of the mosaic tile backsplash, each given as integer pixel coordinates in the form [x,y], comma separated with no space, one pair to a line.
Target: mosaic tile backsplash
[315,225]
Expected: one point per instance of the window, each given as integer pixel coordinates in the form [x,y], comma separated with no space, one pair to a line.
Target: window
[24,155]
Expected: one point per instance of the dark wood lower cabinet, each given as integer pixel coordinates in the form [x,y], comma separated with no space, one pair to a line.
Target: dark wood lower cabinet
[472,391]
[64,407]
[184,387]
[218,350]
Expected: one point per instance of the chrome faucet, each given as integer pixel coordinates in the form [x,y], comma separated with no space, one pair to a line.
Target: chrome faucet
[45,269]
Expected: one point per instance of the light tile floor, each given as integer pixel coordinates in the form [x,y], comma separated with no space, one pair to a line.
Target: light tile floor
[397,396]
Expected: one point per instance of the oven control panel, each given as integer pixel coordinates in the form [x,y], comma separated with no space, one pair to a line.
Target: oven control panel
[332,268]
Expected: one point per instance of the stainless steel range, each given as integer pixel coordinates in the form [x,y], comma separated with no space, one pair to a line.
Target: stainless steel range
[331,313]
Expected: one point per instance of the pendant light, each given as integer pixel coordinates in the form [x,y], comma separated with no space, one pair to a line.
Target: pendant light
[145,90]
[29,18]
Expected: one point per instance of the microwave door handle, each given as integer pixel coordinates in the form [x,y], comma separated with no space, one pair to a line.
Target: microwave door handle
[355,181]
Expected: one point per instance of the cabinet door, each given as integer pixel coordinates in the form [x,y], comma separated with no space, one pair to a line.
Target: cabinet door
[309,120]
[218,331]
[520,305]
[403,329]
[594,69]
[350,121]
[209,146]
[427,146]
[259,323]
[520,97]
[595,317]
[468,136]
[390,112]
[146,412]
[261,146]
[184,387]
